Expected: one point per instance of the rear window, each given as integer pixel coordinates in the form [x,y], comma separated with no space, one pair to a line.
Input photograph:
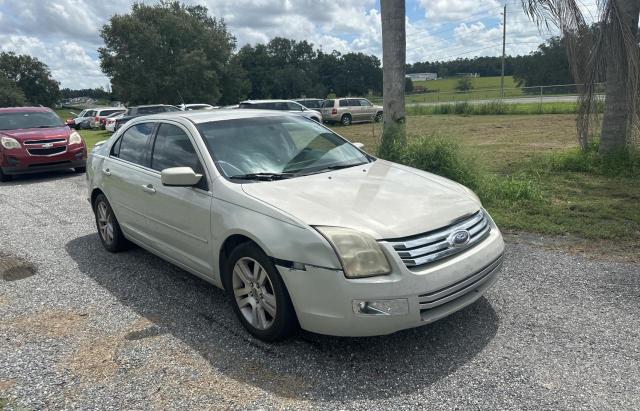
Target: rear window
[22,120]
[328,103]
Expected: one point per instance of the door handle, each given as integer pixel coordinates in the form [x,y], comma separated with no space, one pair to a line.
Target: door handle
[106,172]
[149,189]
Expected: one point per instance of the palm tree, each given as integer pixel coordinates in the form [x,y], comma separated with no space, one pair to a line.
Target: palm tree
[609,53]
[393,77]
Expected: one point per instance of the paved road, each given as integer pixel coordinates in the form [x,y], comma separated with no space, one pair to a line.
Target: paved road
[514,100]
[86,329]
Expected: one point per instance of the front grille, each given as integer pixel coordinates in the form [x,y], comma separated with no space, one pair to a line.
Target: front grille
[435,245]
[459,290]
[47,151]
[39,142]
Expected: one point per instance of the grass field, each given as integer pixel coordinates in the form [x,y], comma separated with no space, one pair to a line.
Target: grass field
[588,205]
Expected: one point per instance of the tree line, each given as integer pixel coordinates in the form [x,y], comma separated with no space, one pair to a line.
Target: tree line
[173,53]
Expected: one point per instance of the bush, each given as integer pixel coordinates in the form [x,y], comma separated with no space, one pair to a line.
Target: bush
[623,163]
[444,157]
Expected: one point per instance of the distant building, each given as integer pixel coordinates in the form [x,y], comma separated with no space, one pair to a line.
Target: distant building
[422,76]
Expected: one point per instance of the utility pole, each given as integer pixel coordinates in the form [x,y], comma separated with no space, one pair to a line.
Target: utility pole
[504,46]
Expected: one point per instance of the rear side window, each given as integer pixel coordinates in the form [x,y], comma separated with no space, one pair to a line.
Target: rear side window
[344,103]
[133,144]
[173,148]
[328,103]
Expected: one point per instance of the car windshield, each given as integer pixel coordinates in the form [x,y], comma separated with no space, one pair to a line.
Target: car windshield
[25,119]
[276,146]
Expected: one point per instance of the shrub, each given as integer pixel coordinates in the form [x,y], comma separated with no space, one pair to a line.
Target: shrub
[623,163]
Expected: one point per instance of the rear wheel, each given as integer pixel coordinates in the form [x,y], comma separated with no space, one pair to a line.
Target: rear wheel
[258,294]
[108,228]
[4,177]
[346,120]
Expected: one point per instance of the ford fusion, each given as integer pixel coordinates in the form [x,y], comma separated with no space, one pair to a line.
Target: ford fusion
[35,139]
[298,225]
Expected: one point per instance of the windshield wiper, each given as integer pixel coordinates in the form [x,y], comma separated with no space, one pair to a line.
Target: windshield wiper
[334,167]
[263,176]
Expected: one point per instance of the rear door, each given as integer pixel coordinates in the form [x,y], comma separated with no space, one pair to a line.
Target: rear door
[356,110]
[180,217]
[126,172]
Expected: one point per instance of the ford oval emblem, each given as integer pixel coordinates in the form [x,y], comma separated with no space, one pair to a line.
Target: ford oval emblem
[459,238]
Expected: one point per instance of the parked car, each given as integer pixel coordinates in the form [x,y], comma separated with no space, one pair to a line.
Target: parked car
[350,110]
[297,224]
[100,116]
[133,112]
[82,120]
[311,103]
[110,123]
[190,107]
[282,105]
[35,139]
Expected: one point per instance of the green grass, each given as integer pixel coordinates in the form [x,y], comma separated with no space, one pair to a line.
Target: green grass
[493,108]
[530,174]
[91,137]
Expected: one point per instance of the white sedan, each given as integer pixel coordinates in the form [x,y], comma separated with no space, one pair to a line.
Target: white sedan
[298,225]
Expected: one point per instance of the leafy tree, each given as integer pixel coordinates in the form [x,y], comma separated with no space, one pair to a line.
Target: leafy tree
[10,94]
[235,83]
[464,84]
[31,76]
[166,53]
[408,85]
[610,53]
[548,65]
[97,93]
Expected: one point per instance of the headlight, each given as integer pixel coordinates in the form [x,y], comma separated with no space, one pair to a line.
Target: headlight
[75,138]
[360,254]
[9,143]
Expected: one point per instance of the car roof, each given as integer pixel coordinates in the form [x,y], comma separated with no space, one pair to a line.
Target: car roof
[25,109]
[153,105]
[207,116]
[267,101]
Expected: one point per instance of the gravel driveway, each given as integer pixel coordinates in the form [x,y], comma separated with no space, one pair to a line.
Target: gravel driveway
[82,328]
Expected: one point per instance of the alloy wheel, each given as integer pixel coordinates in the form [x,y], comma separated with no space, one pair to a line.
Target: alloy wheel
[254,293]
[105,223]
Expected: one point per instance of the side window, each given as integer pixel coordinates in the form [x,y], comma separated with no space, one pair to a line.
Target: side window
[354,103]
[344,103]
[134,142]
[293,106]
[173,148]
[365,103]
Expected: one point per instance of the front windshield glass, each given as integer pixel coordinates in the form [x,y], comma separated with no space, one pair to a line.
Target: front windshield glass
[277,145]
[21,120]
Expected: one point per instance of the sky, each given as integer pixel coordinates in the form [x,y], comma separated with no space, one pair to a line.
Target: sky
[65,33]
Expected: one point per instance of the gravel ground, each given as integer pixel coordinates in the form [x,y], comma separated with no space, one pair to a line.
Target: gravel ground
[82,328]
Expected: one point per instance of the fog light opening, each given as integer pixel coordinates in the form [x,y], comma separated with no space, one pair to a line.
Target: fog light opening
[381,307]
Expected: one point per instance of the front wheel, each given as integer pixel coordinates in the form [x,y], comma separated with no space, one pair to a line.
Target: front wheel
[80,170]
[258,294]
[378,117]
[4,177]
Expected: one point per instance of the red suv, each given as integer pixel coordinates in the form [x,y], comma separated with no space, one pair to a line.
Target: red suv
[35,139]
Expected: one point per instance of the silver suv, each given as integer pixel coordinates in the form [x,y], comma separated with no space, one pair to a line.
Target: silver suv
[350,110]
[282,105]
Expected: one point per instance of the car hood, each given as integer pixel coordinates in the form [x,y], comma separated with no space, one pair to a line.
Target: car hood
[37,133]
[383,199]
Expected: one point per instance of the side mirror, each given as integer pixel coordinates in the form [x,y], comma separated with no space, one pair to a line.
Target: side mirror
[180,177]
[359,145]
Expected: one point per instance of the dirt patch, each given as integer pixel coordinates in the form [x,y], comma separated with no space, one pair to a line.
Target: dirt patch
[6,385]
[51,323]
[14,269]
[601,250]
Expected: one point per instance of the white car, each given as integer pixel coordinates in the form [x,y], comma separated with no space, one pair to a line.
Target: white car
[298,225]
[282,105]
[110,124]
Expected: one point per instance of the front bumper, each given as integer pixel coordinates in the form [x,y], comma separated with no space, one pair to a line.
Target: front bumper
[21,162]
[324,299]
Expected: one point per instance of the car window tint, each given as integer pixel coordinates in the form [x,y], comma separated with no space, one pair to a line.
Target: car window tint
[293,106]
[173,148]
[365,103]
[133,147]
[354,103]
[344,103]
[328,103]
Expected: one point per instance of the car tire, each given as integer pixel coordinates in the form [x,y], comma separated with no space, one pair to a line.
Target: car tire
[346,120]
[378,117]
[4,177]
[255,286]
[80,170]
[108,227]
